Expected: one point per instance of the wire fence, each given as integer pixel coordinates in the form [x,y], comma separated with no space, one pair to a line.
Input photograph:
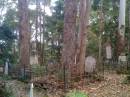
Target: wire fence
[52,77]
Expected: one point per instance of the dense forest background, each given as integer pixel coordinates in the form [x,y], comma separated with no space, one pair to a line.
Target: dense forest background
[46,24]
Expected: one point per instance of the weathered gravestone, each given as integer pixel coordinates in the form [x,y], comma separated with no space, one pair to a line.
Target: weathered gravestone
[90,64]
[31,90]
[1,69]
[122,58]
[108,52]
[6,70]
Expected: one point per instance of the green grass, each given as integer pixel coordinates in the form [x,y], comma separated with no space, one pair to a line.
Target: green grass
[76,93]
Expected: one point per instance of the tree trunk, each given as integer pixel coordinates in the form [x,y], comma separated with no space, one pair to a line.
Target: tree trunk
[121,31]
[42,35]
[101,29]
[69,38]
[129,39]
[24,34]
[37,30]
[83,29]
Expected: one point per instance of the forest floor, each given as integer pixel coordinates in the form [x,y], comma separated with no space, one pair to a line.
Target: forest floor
[111,86]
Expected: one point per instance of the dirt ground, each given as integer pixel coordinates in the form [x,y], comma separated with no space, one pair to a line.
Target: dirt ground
[112,86]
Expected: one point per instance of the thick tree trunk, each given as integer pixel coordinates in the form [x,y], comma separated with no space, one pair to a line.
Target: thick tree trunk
[69,38]
[82,38]
[24,34]
[121,31]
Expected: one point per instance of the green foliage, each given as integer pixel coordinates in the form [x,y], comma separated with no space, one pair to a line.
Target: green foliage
[110,10]
[38,70]
[92,45]
[122,69]
[126,80]
[5,77]
[1,62]
[54,32]
[6,91]
[6,40]
[76,93]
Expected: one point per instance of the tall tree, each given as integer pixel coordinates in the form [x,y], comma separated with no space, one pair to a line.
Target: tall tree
[121,29]
[40,28]
[83,29]
[69,38]
[24,35]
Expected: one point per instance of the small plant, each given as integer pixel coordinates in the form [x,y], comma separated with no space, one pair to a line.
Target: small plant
[76,93]
[127,80]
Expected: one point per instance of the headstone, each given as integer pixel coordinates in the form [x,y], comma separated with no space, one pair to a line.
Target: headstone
[33,59]
[90,64]
[1,70]
[108,52]
[6,67]
[31,90]
[122,58]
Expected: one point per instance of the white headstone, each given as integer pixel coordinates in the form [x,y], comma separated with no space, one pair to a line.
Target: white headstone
[6,68]
[90,64]
[122,58]
[31,90]
[108,52]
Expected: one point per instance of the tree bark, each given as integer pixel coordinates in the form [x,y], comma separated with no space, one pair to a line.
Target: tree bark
[37,16]
[82,37]
[121,29]
[24,34]
[69,38]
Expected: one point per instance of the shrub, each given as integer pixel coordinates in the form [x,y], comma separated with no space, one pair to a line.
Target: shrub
[6,91]
[76,93]
[5,77]
[126,80]
[1,62]
[38,70]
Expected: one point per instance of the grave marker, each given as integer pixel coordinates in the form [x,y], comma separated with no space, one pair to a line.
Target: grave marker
[108,52]
[90,64]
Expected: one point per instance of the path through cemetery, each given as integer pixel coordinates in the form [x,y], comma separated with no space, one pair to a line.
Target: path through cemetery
[112,86]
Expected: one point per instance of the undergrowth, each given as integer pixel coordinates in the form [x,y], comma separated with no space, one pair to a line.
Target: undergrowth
[76,93]
[6,91]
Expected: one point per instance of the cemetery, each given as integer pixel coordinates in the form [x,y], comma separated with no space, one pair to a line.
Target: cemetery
[64,48]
